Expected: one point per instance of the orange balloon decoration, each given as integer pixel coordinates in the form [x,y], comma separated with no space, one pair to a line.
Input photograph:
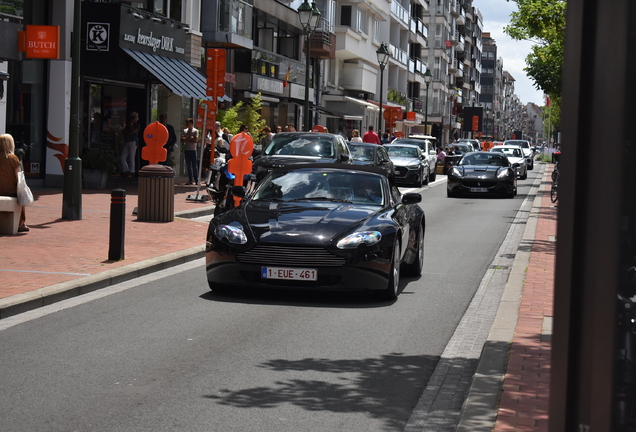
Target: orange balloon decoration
[241,148]
[155,136]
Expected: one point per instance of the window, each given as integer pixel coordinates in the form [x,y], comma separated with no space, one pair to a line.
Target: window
[362,24]
[345,15]
[376,31]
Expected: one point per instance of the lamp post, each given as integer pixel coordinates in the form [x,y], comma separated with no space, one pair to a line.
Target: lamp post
[428,77]
[309,17]
[383,58]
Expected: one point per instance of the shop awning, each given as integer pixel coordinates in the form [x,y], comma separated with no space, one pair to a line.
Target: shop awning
[334,113]
[177,75]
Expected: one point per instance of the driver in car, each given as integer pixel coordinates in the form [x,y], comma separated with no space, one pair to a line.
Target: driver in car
[369,189]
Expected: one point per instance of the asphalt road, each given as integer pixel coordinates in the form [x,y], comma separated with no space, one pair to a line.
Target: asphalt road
[163,353]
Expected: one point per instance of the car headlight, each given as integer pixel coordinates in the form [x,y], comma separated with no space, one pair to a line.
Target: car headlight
[233,233]
[457,172]
[352,241]
[503,173]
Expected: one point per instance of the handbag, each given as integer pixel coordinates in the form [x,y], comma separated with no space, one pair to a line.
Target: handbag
[25,197]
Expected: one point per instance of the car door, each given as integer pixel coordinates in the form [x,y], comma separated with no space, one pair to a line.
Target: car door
[384,161]
[401,217]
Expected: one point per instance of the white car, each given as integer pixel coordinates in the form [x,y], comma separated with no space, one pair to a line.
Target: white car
[527,151]
[516,158]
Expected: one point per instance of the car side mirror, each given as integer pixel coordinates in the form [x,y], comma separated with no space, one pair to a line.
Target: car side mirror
[345,157]
[411,198]
[432,152]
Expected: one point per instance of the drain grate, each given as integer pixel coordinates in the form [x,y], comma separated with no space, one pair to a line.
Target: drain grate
[498,267]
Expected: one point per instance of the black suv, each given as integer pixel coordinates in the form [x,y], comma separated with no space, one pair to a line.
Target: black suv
[288,148]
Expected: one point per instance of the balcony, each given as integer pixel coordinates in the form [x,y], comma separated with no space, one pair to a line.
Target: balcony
[401,14]
[323,41]
[398,54]
[235,25]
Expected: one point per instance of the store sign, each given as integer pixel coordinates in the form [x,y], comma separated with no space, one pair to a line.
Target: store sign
[266,85]
[42,42]
[97,36]
[141,31]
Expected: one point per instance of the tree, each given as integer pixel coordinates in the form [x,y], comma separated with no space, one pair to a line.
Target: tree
[251,116]
[541,22]
[229,118]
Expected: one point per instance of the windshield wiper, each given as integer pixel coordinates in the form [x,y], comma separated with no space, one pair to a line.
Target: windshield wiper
[322,198]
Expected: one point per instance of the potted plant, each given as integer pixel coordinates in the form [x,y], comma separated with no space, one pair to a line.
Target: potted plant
[96,167]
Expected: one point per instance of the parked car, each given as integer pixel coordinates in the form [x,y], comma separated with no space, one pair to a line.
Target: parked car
[410,163]
[321,227]
[515,157]
[289,148]
[371,155]
[426,143]
[482,173]
[527,151]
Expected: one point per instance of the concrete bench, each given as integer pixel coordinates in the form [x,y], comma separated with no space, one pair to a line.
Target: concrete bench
[9,215]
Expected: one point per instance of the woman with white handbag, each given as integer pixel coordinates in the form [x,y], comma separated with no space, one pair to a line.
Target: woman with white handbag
[11,174]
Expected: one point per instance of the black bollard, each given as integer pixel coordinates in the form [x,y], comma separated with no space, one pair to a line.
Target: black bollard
[117,224]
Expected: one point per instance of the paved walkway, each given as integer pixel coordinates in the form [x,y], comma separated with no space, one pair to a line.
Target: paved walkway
[525,394]
[57,250]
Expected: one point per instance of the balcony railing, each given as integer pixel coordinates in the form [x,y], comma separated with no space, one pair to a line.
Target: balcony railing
[398,54]
[400,12]
[236,17]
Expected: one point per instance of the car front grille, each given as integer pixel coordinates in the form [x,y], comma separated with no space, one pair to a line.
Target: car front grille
[401,171]
[290,256]
[479,183]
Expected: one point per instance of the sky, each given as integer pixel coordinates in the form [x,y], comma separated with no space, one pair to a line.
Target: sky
[496,14]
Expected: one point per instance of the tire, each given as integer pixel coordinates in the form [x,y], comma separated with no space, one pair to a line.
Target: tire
[525,175]
[393,287]
[415,268]
[531,167]
[425,177]
[433,175]
[418,182]
[554,193]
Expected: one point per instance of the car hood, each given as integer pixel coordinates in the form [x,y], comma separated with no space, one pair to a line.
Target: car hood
[304,222]
[404,161]
[271,162]
[480,171]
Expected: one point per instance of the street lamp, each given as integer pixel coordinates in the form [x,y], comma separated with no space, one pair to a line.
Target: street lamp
[309,17]
[428,77]
[383,58]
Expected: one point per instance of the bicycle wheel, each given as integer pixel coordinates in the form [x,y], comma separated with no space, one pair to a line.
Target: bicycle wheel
[554,194]
[555,175]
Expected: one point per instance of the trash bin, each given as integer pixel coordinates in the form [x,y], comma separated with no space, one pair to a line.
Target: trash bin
[156,194]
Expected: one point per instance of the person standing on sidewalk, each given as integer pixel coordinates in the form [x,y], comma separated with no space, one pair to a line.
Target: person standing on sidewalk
[129,149]
[371,137]
[172,139]
[190,136]
[9,169]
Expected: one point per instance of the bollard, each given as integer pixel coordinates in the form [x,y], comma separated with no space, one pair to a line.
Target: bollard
[117,224]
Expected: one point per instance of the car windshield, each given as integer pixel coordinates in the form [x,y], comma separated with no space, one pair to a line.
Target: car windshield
[399,151]
[306,185]
[484,159]
[514,152]
[361,153]
[523,144]
[462,148]
[301,145]
[420,143]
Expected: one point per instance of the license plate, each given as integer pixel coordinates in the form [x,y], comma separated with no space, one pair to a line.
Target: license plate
[479,189]
[286,273]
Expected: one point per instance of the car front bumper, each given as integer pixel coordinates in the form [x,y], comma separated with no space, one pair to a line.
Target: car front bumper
[467,185]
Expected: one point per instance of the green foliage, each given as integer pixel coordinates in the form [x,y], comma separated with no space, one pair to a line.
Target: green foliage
[100,161]
[229,118]
[543,23]
[251,116]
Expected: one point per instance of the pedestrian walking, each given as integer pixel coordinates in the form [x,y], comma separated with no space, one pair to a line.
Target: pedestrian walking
[190,136]
[131,142]
[371,137]
[355,136]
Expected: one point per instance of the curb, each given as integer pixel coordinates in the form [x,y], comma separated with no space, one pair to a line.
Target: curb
[479,412]
[24,302]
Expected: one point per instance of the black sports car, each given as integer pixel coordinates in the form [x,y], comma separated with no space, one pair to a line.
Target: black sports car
[290,148]
[371,155]
[318,227]
[482,173]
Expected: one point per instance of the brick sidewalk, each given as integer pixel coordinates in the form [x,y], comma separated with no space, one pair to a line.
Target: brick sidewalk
[57,250]
[524,398]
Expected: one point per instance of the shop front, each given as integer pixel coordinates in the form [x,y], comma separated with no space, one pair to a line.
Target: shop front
[133,61]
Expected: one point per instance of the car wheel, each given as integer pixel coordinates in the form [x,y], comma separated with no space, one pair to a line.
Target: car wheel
[425,177]
[391,291]
[531,167]
[415,268]
[450,194]
[525,175]
[433,175]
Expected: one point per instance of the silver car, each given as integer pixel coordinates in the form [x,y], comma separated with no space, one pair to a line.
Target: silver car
[410,164]
[527,151]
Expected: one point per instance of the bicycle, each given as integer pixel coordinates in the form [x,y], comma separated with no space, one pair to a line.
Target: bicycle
[554,190]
